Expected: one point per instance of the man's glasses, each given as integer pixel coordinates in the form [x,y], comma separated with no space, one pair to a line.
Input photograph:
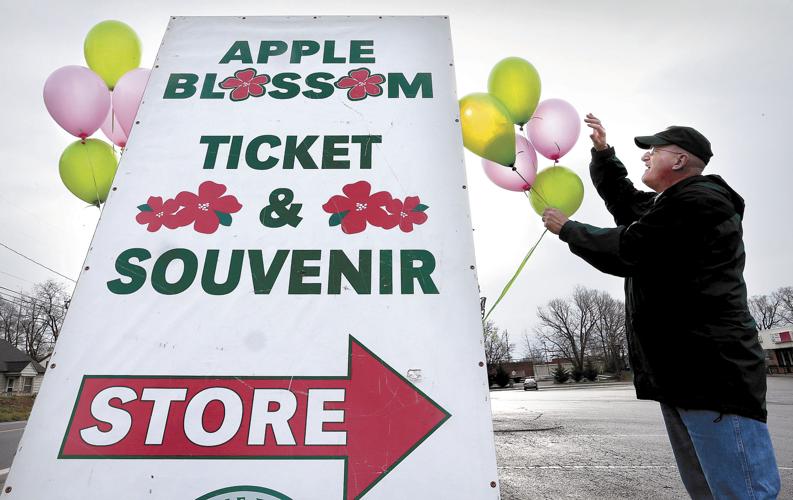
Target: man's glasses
[652,151]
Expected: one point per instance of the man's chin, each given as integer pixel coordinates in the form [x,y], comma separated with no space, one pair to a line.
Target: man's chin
[647,180]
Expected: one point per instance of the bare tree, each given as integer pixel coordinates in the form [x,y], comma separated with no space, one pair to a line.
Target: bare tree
[784,296]
[496,343]
[767,310]
[532,349]
[9,318]
[32,330]
[52,297]
[567,325]
[610,331]
[31,321]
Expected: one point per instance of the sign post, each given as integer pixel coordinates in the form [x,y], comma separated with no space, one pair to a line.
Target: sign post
[280,300]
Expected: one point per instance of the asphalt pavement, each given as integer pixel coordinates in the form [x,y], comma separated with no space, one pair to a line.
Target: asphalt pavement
[594,441]
[599,441]
[10,434]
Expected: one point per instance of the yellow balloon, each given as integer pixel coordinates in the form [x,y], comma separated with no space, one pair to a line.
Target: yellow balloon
[557,187]
[516,83]
[111,49]
[87,169]
[487,128]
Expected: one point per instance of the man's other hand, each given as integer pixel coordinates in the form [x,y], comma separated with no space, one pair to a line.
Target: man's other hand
[553,220]
[598,135]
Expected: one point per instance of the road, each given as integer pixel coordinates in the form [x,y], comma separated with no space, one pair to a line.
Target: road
[580,442]
[600,442]
[10,433]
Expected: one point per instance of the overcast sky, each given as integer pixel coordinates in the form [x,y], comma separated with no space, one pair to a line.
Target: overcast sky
[721,67]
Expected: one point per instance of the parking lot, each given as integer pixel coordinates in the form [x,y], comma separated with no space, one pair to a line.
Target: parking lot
[582,441]
[598,441]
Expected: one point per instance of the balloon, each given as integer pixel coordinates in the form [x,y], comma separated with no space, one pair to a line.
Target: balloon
[127,96]
[111,49]
[87,169]
[521,176]
[77,100]
[557,187]
[487,129]
[516,83]
[112,130]
[554,128]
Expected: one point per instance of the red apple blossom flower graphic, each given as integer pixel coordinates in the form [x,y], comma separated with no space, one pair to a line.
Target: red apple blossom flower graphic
[245,83]
[156,214]
[409,212]
[361,84]
[207,209]
[358,208]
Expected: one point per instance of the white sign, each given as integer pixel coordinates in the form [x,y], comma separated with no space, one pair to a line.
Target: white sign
[280,300]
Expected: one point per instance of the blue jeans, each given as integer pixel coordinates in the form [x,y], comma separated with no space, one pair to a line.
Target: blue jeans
[722,456]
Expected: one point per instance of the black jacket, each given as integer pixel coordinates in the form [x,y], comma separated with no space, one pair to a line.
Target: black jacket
[691,339]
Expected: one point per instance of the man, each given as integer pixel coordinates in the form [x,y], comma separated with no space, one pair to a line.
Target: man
[692,343]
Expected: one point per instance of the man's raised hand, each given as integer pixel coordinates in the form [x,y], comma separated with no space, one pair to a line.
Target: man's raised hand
[598,135]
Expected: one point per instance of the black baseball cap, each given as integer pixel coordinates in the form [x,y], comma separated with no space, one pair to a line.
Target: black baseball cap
[685,137]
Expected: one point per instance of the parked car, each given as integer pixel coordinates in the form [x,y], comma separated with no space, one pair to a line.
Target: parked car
[530,383]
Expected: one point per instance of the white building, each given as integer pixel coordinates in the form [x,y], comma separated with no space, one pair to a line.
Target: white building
[778,346]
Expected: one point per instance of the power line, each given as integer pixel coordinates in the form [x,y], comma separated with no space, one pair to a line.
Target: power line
[37,262]
[20,295]
[11,299]
[27,301]
[23,306]
[17,277]
[37,321]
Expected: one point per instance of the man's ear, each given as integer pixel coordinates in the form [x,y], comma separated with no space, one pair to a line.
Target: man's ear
[682,161]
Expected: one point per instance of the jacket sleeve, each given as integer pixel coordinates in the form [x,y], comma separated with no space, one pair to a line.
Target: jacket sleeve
[600,247]
[656,242]
[623,200]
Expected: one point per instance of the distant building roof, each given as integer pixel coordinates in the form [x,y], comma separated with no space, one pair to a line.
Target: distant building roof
[12,360]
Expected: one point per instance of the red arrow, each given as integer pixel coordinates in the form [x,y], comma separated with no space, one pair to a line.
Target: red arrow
[374,419]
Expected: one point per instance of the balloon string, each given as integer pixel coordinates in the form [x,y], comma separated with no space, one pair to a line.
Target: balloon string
[540,196]
[113,126]
[97,203]
[531,188]
[514,276]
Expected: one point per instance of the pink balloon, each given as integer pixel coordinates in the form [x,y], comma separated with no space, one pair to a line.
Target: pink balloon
[554,128]
[77,99]
[112,130]
[525,168]
[127,95]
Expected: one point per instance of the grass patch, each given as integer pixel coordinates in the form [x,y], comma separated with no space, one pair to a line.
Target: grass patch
[14,408]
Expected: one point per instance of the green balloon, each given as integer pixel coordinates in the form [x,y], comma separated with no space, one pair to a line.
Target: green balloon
[111,49]
[557,187]
[87,169]
[516,83]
